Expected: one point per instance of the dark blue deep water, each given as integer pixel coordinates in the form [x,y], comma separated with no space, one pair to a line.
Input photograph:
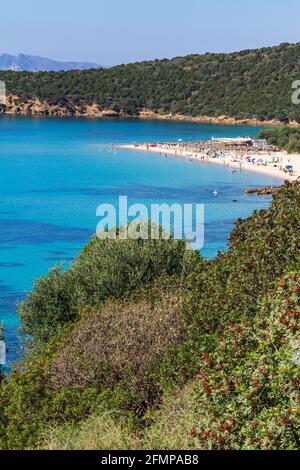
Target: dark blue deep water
[55,172]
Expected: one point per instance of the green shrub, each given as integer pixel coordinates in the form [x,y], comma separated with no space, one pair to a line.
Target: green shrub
[103,362]
[123,343]
[286,138]
[247,391]
[227,335]
[104,269]
[28,405]
[98,432]
[245,394]
[261,249]
[50,305]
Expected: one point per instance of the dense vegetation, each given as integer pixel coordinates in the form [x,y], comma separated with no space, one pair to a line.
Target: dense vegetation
[285,138]
[104,270]
[247,84]
[168,352]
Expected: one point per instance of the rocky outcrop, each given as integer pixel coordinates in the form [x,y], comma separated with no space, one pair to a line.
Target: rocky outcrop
[37,107]
[225,120]
[263,191]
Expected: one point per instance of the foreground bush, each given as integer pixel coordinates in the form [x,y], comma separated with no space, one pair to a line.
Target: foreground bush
[96,433]
[245,395]
[107,362]
[247,391]
[105,269]
[261,249]
[225,337]
[123,343]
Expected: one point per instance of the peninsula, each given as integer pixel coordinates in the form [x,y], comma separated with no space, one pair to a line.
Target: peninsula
[217,88]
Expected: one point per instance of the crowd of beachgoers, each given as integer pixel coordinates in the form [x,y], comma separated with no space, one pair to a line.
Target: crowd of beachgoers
[267,160]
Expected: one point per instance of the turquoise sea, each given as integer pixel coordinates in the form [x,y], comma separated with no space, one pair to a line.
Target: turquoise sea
[55,173]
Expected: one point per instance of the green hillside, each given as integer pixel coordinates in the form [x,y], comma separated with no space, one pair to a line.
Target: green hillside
[244,85]
[142,344]
[285,138]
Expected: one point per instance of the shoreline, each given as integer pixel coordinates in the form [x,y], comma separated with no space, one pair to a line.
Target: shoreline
[224,161]
[37,107]
[217,120]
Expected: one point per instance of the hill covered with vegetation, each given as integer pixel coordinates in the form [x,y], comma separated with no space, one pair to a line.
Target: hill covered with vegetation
[142,344]
[252,84]
[285,138]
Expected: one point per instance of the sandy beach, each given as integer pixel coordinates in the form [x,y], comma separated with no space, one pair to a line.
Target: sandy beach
[274,165]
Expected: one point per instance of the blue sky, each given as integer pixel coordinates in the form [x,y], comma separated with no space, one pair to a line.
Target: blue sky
[121,31]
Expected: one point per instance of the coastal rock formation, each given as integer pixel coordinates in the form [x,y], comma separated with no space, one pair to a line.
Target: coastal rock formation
[35,107]
[263,191]
[222,120]
[16,105]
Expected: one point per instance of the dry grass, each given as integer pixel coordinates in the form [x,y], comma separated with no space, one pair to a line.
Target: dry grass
[172,429]
[97,433]
[174,422]
[123,342]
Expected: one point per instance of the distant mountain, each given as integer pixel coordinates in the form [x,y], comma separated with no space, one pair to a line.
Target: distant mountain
[31,63]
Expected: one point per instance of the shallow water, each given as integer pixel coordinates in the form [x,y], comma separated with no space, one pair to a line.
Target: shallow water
[55,173]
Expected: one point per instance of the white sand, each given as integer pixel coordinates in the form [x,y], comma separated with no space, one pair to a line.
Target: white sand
[266,169]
